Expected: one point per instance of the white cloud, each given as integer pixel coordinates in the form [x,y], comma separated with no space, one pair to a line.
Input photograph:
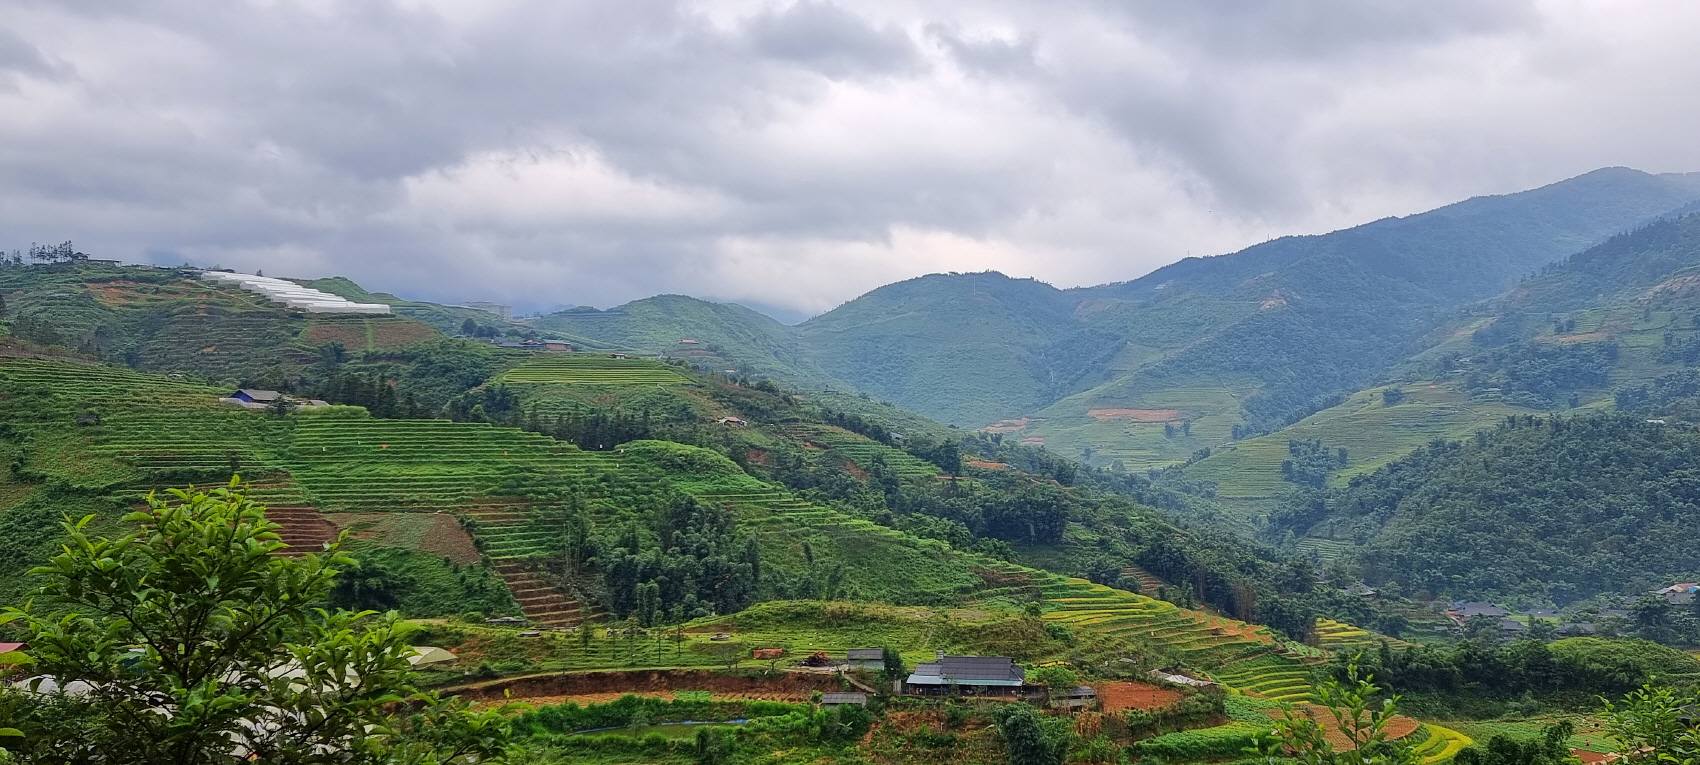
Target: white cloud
[794,153]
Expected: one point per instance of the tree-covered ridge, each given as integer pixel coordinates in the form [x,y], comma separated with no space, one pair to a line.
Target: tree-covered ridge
[1555,510]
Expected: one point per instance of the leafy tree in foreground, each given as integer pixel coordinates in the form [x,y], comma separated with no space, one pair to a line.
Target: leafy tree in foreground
[1299,736]
[198,645]
[1656,722]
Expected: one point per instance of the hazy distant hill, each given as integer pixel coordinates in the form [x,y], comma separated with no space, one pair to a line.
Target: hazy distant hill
[724,336]
[1192,355]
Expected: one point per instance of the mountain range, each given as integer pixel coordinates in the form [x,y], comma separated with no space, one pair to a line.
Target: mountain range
[1195,354]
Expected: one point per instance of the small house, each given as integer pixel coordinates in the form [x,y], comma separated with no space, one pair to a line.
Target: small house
[1079,697]
[866,658]
[1175,677]
[1463,611]
[252,396]
[687,341]
[843,698]
[967,675]
[732,421]
[556,345]
[1512,627]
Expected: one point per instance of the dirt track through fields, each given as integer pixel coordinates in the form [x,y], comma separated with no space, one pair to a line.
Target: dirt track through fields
[592,687]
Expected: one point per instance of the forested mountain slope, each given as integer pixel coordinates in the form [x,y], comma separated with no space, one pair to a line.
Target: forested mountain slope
[1615,325]
[1542,509]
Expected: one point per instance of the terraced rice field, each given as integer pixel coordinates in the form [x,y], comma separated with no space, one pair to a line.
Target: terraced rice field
[1441,745]
[1325,550]
[589,369]
[1340,636]
[1273,677]
[110,388]
[863,450]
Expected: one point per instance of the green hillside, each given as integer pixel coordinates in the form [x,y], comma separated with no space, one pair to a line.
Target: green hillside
[1551,510]
[726,336]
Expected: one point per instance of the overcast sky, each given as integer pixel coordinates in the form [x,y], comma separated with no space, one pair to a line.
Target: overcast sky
[791,155]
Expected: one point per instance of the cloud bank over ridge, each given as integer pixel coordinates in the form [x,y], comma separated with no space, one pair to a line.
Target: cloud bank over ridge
[791,155]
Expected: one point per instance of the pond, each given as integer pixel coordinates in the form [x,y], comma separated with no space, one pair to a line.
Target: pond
[687,729]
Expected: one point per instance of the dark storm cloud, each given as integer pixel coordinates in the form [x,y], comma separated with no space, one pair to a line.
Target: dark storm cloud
[793,154]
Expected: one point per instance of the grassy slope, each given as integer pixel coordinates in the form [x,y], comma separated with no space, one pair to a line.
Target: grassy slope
[343,460]
[728,336]
[157,320]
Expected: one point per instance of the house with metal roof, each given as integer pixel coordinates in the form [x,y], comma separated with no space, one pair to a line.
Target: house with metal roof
[866,658]
[843,698]
[974,675]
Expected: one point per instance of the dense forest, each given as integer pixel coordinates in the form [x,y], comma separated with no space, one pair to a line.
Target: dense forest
[1549,510]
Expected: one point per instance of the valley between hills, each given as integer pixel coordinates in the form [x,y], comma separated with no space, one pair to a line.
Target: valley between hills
[1459,451]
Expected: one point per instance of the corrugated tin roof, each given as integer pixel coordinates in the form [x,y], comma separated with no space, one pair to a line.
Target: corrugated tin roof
[866,654]
[844,697]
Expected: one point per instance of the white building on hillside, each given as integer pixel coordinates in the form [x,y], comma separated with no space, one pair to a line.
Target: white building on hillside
[292,295]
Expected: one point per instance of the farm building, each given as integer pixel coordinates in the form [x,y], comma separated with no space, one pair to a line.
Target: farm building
[251,398]
[1461,611]
[506,312]
[842,698]
[971,675]
[731,421]
[866,658]
[1679,594]
[293,296]
[1079,697]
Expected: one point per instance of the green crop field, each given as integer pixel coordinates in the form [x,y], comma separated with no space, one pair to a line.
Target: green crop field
[1124,421]
[1372,433]
[863,450]
[588,369]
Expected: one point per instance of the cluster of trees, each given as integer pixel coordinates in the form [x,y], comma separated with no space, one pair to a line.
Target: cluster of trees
[374,391]
[1539,375]
[1484,674]
[1672,395]
[1554,509]
[63,252]
[689,562]
[1308,462]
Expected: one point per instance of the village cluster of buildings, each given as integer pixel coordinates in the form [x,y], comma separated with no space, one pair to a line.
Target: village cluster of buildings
[1461,612]
[293,296]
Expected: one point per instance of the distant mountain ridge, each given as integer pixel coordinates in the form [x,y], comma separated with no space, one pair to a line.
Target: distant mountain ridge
[1195,353]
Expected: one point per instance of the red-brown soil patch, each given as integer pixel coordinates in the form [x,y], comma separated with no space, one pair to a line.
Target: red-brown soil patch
[350,334]
[394,333]
[448,539]
[1590,758]
[984,465]
[1582,337]
[784,686]
[759,457]
[1033,441]
[1129,695]
[1007,426]
[437,533]
[856,470]
[1137,415]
